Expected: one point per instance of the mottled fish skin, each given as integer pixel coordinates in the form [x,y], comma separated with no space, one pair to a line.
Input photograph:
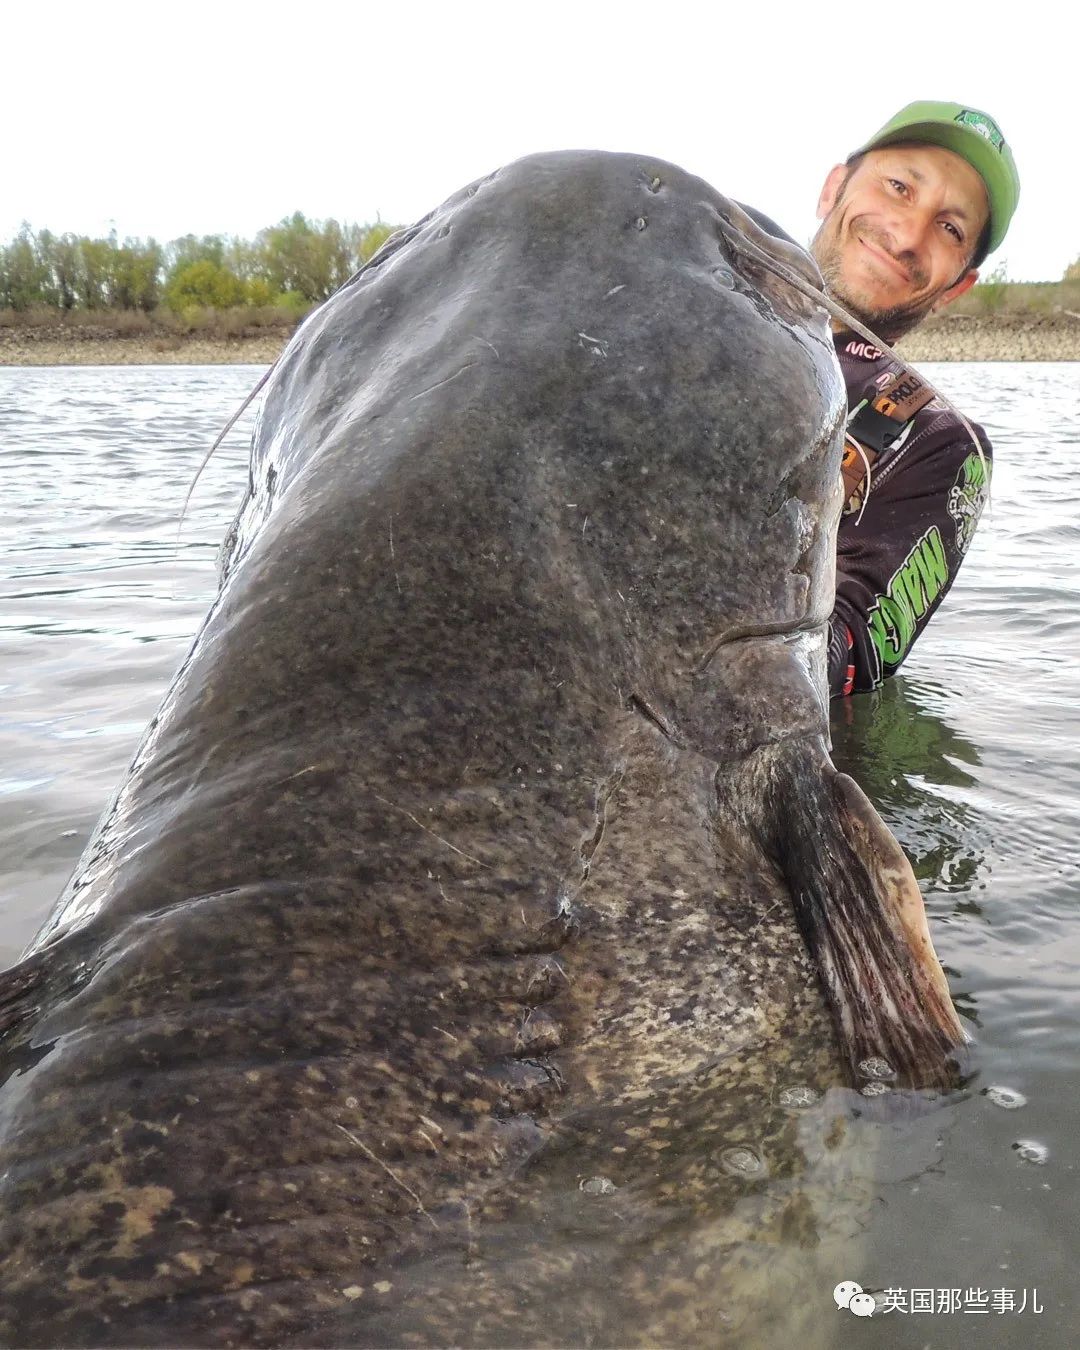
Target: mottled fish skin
[421,984]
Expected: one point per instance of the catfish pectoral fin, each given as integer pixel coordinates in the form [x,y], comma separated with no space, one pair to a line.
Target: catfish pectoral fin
[42,976]
[21,990]
[859,908]
[894,881]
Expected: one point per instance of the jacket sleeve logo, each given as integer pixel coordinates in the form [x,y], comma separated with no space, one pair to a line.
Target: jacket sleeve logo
[966,499]
[911,591]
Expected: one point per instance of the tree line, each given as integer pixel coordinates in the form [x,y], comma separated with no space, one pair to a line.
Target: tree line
[292,265]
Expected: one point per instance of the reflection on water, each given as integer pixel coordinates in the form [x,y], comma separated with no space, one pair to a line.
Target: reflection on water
[970,757]
[915,767]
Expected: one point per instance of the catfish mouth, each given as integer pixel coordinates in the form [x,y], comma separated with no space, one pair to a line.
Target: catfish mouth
[861,914]
[743,632]
[777,250]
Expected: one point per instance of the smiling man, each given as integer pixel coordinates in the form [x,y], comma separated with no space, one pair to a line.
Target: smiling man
[905,223]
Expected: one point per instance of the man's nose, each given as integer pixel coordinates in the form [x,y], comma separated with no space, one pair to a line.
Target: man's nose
[908,229]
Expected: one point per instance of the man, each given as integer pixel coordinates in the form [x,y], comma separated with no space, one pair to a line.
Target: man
[905,223]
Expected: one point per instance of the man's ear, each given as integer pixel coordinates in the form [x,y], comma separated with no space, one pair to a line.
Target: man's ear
[965,283]
[833,184]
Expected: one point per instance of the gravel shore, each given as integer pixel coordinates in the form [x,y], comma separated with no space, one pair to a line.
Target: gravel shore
[1007,337]
[1004,337]
[86,346]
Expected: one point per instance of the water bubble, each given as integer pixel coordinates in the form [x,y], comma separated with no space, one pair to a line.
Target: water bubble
[597,1186]
[876,1067]
[1007,1098]
[741,1161]
[795,1098]
[875,1089]
[1031,1152]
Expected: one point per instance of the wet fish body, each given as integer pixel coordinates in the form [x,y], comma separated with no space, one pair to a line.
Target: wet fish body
[480,892]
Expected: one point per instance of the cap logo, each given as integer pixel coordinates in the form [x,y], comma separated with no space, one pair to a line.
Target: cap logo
[985,126]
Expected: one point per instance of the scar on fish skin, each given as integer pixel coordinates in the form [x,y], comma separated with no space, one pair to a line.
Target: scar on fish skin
[390,1173]
[479,862]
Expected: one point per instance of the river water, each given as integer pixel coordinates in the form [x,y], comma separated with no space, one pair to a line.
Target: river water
[972,756]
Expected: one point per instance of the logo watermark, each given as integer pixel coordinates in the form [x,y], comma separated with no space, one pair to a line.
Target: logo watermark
[936,1301]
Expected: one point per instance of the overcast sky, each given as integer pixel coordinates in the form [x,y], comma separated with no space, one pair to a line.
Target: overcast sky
[222,118]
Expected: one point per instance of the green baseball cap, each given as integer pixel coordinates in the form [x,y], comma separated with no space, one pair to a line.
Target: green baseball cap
[975,137]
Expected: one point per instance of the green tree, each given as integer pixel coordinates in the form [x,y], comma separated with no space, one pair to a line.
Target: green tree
[366,240]
[45,248]
[301,255]
[23,278]
[258,291]
[190,248]
[92,275]
[204,284]
[243,259]
[135,275]
[64,262]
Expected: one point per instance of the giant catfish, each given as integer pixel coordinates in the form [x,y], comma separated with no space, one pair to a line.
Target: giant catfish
[450,963]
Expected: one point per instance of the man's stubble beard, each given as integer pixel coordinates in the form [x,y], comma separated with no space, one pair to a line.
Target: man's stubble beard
[889,324]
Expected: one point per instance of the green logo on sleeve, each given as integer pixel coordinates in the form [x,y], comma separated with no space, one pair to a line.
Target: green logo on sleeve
[912,589]
[966,498]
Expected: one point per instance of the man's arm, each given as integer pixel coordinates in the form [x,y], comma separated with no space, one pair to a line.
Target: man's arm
[895,566]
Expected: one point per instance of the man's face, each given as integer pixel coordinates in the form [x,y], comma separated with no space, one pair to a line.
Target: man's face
[898,232]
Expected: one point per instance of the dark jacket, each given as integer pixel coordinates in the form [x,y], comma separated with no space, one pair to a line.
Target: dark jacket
[898,551]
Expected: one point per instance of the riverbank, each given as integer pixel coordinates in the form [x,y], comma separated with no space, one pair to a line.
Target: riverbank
[952,337]
[1000,337]
[88,345]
